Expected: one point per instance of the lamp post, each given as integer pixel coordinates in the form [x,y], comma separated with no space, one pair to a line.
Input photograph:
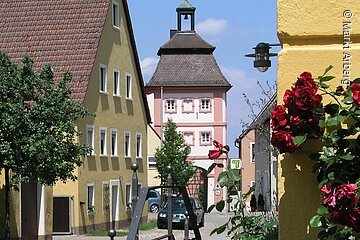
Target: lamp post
[262,56]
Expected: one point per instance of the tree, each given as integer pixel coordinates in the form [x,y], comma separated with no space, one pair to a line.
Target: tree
[37,127]
[174,152]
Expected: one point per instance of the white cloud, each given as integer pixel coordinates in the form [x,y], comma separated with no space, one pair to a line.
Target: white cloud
[148,66]
[211,27]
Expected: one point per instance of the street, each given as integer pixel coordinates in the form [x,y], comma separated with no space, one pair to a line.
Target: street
[212,220]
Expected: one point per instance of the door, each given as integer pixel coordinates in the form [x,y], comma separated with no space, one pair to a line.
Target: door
[114,205]
[61,215]
[29,208]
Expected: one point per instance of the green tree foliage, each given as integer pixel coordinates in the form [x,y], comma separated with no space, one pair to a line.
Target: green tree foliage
[174,152]
[37,126]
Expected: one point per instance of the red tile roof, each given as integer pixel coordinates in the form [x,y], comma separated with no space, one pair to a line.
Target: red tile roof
[62,33]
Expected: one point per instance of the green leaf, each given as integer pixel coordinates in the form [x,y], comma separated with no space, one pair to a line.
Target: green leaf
[328,69]
[223,179]
[212,166]
[316,221]
[331,176]
[333,121]
[298,140]
[348,100]
[211,208]
[326,78]
[329,151]
[220,205]
[323,85]
[322,210]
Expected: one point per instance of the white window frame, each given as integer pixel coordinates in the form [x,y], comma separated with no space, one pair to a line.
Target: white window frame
[202,109]
[103,149]
[102,197]
[116,83]
[153,163]
[92,203]
[252,152]
[128,84]
[114,152]
[127,148]
[91,144]
[170,108]
[115,14]
[205,143]
[138,145]
[103,85]
[115,183]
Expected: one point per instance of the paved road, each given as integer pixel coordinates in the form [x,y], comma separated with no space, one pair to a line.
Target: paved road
[212,220]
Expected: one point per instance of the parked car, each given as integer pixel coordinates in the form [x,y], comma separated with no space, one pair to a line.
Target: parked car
[154,201]
[179,213]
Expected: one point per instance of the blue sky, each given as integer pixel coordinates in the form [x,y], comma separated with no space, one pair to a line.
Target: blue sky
[234,27]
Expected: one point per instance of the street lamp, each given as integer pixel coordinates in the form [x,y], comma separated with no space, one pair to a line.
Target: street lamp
[262,56]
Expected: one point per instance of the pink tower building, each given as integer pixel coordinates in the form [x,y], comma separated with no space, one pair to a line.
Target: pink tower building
[189,88]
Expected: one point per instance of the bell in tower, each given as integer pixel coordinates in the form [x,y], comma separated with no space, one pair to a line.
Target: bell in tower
[186,11]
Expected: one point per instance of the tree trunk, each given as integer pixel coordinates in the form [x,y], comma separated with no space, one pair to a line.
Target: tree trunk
[7,204]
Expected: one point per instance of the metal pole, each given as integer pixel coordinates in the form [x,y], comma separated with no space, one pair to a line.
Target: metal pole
[112,234]
[186,228]
[169,206]
[134,191]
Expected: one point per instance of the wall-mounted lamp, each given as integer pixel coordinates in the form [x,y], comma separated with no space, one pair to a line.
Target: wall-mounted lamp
[262,56]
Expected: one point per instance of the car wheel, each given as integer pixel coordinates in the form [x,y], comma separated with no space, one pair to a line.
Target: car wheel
[154,208]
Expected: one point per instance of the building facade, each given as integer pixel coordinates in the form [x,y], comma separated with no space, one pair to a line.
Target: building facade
[95,42]
[189,88]
[310,42]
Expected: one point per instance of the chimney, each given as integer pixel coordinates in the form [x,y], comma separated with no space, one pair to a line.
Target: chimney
[173,32]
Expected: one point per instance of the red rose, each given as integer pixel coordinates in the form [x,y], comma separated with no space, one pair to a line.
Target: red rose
[305,99]
[289,102]
[306,80]
[355,89]
[279,117]
[283,141]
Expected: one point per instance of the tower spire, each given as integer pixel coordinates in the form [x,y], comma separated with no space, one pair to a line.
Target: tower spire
[187,10]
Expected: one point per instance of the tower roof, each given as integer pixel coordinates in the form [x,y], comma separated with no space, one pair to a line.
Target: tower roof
[185,6]
[186,42]
[187,60]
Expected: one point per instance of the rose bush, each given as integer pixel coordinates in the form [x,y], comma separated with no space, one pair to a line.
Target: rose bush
[337,125]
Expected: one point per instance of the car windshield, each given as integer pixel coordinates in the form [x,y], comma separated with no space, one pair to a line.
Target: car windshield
[180,203]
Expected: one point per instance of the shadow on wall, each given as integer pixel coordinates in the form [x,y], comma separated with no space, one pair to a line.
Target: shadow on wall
[13,200]
[297,205]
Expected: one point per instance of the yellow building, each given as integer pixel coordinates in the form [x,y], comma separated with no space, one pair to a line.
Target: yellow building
[314,35]
[94,40]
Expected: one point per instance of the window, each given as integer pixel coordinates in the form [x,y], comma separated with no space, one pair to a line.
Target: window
[170,105]
[114,148]
[189,138]
[91,198]
[116,80]
[115,14]
[252,152]
[128,197]
[105,197]
[128,86]
[187,105]
[90,137]
[205,105]
[127,144]
[205,138]
[103,78]
[138,145]
[151,161]
[102,141]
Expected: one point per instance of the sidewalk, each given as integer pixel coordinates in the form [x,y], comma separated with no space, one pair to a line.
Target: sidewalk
[212,220]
